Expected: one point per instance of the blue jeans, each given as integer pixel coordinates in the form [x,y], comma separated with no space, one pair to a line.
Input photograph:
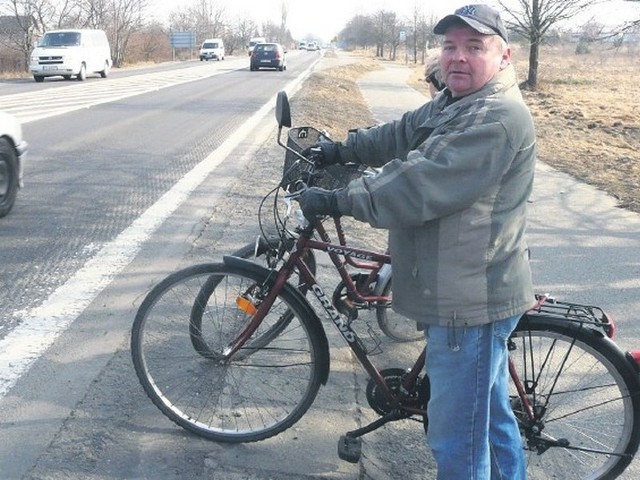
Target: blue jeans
[472,431]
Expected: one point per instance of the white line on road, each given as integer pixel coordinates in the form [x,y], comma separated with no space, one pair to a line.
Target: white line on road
[41,325]
[36,105]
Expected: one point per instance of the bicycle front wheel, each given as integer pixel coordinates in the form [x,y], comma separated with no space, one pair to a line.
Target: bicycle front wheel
[253,395]
[585,398]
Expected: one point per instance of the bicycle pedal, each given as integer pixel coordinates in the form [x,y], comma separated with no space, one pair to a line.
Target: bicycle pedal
[349,449]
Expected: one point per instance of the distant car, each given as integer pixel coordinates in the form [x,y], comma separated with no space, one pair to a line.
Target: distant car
[302,45]
[71,53]
[12,154]
[212,49]
[268,55]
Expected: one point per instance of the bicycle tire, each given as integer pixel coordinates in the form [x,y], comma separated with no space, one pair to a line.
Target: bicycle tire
[246,398]
[251,251]
[394,325]
[584,392]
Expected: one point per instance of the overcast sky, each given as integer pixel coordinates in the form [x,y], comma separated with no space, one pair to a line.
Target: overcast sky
[325,18]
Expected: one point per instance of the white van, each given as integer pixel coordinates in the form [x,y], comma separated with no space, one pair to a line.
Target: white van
[212,48]
[254,41]
[71,53]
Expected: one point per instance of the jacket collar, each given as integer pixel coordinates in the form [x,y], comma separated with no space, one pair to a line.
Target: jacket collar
[442,109]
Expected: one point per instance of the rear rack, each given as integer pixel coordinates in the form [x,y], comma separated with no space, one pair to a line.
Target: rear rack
[574,312]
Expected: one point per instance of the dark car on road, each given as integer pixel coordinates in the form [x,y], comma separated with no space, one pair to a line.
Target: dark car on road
[268,55]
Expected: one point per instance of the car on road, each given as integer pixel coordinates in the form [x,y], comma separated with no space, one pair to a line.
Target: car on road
[12,154]
[70,53]
[212,49]
[268,55]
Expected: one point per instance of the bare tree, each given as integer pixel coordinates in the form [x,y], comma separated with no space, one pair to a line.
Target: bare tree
[68,14]
[633,23]
[358,32]
[30,18]
[284,13]
[95,14]
[421,36]
[532,19]
[208,17]
[392,37]
[384,22]
[240,34]
[124,18]
[270,30]
[150,44]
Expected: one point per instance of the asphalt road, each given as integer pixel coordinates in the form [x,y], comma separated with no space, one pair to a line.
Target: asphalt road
[118,147]
[106,173]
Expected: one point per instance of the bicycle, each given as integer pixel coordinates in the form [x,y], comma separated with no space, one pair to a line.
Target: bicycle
[575,393]
[370,291]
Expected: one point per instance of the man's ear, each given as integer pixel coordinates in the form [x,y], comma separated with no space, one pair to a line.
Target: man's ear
[506,58]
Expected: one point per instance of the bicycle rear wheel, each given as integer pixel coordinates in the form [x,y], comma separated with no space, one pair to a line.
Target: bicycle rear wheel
[586,400]
[264,253]
[394,325]
[252,396]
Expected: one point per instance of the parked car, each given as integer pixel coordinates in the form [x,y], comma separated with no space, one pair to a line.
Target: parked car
[212,49]
[268,55]
[12,154]
[302,45]
[71,53]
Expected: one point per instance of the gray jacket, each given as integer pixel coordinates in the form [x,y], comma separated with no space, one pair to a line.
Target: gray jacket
[453,192]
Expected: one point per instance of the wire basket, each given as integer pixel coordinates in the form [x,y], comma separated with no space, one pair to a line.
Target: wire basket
[295,169]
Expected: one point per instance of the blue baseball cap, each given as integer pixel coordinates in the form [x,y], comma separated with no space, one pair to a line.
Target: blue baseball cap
[482,18]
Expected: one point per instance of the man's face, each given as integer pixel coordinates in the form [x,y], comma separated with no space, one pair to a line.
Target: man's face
[470,59]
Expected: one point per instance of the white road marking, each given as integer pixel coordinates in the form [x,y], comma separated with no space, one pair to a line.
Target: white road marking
[36,105]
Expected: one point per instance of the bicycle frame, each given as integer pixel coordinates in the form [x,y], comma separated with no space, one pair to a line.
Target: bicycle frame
[341,256]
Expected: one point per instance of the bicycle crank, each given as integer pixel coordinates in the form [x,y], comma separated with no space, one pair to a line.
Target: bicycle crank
[350,445]
[416,397]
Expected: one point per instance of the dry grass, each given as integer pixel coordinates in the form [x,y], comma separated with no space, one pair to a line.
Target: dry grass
[587,113]
[586,110]
[331,100]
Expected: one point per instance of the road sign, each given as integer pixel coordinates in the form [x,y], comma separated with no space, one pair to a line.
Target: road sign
[182,39]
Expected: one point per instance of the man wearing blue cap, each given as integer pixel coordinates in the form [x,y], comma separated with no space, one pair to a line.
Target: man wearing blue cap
[453,189]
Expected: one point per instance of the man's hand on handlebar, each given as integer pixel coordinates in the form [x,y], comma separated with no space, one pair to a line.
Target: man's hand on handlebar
[323,154]
[316,201]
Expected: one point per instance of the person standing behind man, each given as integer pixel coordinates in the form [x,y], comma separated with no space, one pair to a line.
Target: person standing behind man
[432,75]
[456,175]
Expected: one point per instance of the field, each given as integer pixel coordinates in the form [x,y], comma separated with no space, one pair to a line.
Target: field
[586,110]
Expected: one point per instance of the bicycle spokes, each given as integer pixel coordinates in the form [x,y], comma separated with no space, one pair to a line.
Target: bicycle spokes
[575,406]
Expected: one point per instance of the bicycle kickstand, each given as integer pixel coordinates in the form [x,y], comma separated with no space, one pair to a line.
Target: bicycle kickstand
[350,444]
